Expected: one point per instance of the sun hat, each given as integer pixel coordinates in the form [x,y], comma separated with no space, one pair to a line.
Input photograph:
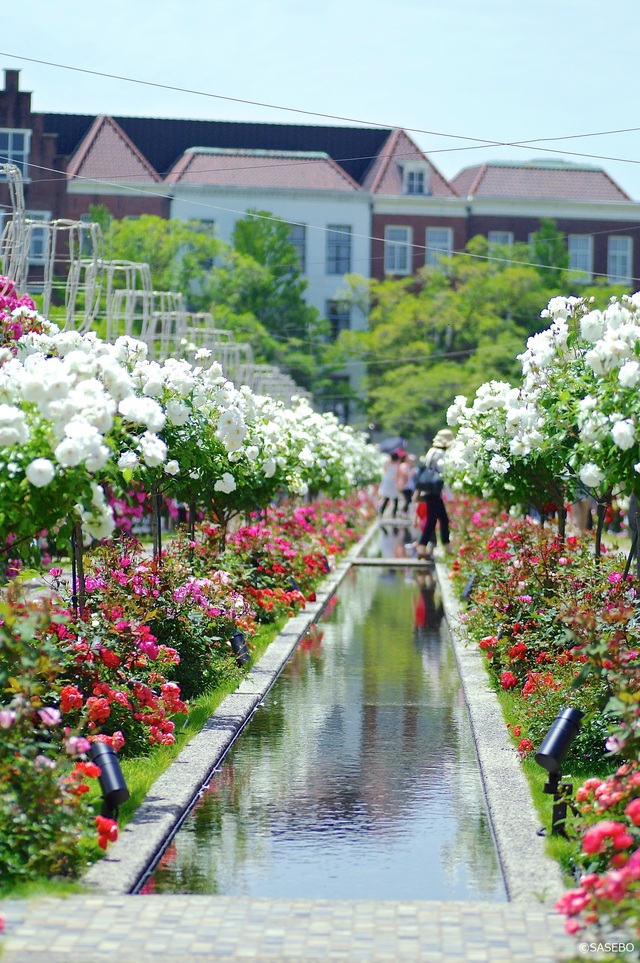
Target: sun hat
[444,438]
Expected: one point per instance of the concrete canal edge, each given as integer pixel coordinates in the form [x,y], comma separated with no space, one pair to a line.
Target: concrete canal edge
[531,876]
[171,796]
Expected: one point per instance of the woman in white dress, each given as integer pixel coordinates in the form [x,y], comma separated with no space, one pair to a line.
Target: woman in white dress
[388,490]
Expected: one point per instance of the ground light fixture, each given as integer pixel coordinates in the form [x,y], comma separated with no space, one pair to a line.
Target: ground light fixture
[114,788]
[553,749]
[240,650]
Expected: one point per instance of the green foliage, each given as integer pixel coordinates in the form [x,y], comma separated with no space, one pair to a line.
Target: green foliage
[550,253]
[179,254]
[451,329]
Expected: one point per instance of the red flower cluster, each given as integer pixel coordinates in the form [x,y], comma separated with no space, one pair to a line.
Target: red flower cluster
[107,831]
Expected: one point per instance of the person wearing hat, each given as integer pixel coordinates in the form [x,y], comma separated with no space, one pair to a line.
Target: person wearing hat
[436,508]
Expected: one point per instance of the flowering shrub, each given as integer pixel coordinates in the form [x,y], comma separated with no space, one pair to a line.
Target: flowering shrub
[570,426]
[176,628]
[608,893]
[527,585]
[43,776]
[78,415]
[557,627]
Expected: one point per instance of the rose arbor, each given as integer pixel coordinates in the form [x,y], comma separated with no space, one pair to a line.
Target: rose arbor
[572,425]
[77,413]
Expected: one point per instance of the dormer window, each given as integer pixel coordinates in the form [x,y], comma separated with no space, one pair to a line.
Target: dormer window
[415,179]
[14,149]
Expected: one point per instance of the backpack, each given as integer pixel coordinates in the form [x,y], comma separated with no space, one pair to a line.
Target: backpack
[429,481]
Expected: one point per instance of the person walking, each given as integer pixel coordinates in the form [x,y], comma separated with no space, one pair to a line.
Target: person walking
[388,490]
[436,508]
[406,480]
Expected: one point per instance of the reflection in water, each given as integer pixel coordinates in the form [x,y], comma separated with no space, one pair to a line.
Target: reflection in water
[358,778]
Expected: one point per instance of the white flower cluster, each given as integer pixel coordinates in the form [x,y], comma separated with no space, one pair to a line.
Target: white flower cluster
[76,409]
[581,373]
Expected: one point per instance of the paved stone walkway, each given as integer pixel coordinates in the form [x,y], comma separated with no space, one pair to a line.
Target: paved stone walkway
[182,929]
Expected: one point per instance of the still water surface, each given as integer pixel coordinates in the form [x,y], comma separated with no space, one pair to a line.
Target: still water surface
[358,777]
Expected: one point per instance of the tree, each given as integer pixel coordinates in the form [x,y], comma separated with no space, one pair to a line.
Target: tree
[259,277]
[446,332]
[550,253]
[179,253]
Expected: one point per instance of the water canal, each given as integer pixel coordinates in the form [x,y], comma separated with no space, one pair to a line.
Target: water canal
[358,776]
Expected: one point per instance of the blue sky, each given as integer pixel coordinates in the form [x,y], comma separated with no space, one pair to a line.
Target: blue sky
[496,70]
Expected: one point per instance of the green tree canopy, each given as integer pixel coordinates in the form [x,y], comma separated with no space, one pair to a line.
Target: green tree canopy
[448,331]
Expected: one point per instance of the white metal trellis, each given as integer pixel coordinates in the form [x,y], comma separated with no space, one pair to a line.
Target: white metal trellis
[14,242]
[72,268]
[129,298]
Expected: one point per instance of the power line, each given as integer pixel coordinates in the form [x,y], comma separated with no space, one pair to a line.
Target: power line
[419,247]
[481,141]
[324,229]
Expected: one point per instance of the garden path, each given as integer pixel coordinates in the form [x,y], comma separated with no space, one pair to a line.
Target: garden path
[185,929]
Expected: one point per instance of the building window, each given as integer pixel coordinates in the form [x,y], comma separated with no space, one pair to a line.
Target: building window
[580,256]
[397,250]
[439,245]
[14,149]
[619,257]
[415,178]
[38,243]
[298,238]
[339,317]
[500,238]
[338,249]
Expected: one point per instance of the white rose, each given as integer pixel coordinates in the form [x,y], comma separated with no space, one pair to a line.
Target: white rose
[499,465]
[40,472]
[592,326]
[623,434]
[590,475]
[226,484]
[153,449]
[177,413]
[172,467]
[629,374]
[128,460]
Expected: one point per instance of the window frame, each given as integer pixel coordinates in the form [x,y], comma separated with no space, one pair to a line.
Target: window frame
[23,162]
[432,253]
[616,278]
[493,242]
[395,246]
[300,245]
[338,262]
[412,172]
[578,273]
[339,320]
[45,216]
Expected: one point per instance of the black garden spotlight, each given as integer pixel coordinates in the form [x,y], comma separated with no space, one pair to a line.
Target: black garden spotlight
[554,747]
[114,788]
[240,650]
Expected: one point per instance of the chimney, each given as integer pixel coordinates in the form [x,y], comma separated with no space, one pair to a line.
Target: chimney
[11,81]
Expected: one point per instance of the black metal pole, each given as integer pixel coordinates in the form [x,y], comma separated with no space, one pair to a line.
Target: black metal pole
[632,552]
[74,577]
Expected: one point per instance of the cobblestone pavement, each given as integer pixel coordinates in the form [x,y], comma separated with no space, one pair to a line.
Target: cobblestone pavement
[182,929]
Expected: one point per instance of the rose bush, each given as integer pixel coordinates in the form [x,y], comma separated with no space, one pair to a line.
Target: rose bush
[44,816]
